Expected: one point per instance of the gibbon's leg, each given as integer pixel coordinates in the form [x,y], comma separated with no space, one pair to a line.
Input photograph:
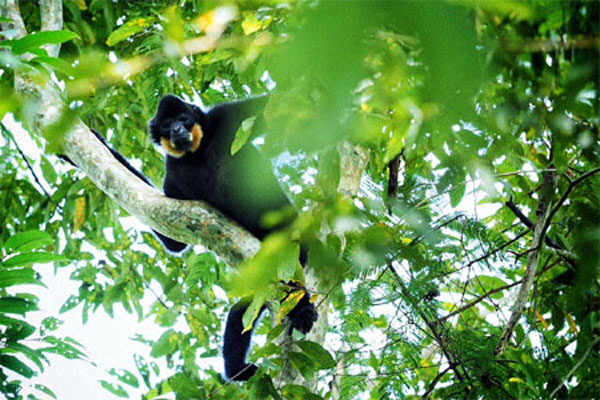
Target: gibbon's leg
[236,343]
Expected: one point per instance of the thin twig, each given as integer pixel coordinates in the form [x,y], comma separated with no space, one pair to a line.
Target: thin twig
[480,299]
[454,364]
[434,383]
[572,371]
[24,157]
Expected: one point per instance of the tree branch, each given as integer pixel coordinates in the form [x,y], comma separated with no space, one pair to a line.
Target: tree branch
[10,9]
[438,334]
[543,212]
[480,299]
[192,222]
[52,20]
[434,383]
[528,223]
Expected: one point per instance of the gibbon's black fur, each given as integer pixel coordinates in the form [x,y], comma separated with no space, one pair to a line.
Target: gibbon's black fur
[199,166]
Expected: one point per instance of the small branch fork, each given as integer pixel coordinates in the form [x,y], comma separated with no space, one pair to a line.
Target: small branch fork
[545,212]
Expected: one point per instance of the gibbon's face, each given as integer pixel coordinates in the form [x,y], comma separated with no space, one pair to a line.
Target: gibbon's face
[176,126]
[180,135]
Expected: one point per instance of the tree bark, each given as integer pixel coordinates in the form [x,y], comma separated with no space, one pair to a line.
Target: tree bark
[543,213]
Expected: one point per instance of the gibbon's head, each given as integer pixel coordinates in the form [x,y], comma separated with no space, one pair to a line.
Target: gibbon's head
[176,126]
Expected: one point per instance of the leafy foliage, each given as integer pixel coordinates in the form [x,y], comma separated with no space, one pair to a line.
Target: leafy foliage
[21,352]
[463,107]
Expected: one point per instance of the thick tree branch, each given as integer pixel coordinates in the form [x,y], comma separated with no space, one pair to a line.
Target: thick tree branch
[353,161]
[192,222]
[10,9]
[543,212]
[52,20]
[528,223]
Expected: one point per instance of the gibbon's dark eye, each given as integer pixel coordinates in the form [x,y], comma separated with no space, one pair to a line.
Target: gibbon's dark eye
[186,120]
[165,126]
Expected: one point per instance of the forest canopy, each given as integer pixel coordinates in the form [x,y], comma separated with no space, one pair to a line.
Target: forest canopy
[444,158]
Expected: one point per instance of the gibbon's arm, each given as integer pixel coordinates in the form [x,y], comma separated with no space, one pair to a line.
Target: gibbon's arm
[121,159]
[171,245]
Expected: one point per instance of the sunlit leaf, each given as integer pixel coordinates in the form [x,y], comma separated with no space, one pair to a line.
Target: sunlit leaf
[33,41]
[129,29]
[166,344]
[79,214]
[125,376]
[18,277]
[27,241]
[242,135]
[46,390]
[114,388]
[26,259]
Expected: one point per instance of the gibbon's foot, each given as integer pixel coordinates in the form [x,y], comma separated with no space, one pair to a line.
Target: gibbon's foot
[303,316]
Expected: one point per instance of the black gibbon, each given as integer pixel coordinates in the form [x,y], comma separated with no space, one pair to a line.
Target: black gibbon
[199,166]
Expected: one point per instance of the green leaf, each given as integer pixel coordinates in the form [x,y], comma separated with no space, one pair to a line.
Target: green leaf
[14,364]
[16,305]
[166,344]
[114,388]
[34,355]
[457,193]
[49,324]
[263,388]
[72,302]
[18,277]
[303,364]
[126,377]
[142,367]
[128,29]
[321,357]
[276,260]
[26,241]
[34,41]
[17,330]
[252,312]
[242,135]
[64,347]
[8,321]
[62,67]
[26,259]
[44,389]
[275,332]
[298,392]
